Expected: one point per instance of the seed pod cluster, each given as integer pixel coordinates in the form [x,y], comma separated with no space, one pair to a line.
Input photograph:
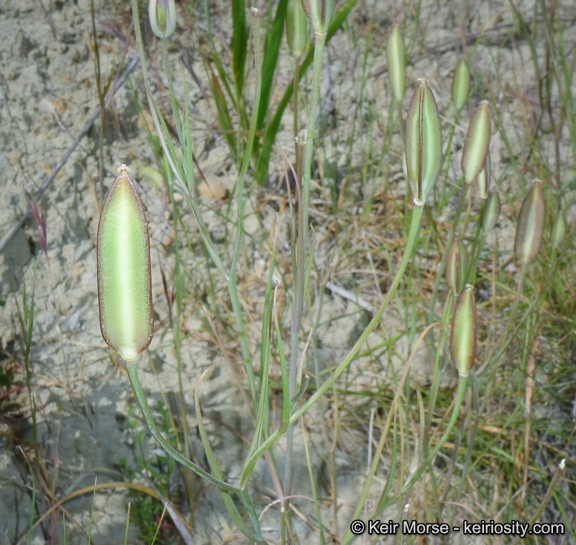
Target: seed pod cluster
[123,270]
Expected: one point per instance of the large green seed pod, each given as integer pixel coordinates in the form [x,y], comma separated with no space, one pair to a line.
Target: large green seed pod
[296,27]
[530,227]
[477,142]
[423,142]
[162,14]
[463,332]
[491,212]
[396,64]
[460,85]
[457,266]
[123,260]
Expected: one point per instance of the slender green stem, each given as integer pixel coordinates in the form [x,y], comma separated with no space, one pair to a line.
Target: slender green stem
[302,242]
[241,329]
[547,498]
[132,370]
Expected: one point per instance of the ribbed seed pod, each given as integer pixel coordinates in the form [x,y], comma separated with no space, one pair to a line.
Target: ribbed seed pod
[491,212]
[558,231]
[396,64]
[463,332]
[460,85]
[483,178]
[296,27]
[319,12]
[457,266]
[423,142]
[477,142]
[123,262]
[530,227]
[162,14]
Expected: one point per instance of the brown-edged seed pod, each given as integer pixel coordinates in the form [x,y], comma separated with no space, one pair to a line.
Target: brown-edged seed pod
[463,332]
[457,266]
[491,212]
[460,85]
[477,142]
[423,142]
[123,270]
[530,227]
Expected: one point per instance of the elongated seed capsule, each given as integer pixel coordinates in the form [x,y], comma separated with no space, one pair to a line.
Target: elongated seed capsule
[457,266]
[491,212]
[396,63]
[423,142]
[460,85]
[296,27]
[483,178]
[530,227]
[162,15]
[123,261]
[463,332]
[558,231]
[477,142]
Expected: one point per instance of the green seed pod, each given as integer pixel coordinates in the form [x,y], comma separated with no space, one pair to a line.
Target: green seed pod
[463,332]
[491,212]
[558,231]
[123,261]
[296,27]
[396,64]
[530,226]
[460,85]
[483,178]
[162,14]
[457,266]
[319,12]
[423,142]
[477,142]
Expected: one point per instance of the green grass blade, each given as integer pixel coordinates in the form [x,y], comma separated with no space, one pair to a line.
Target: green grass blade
[239,45]
[272,43]
[272,127]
